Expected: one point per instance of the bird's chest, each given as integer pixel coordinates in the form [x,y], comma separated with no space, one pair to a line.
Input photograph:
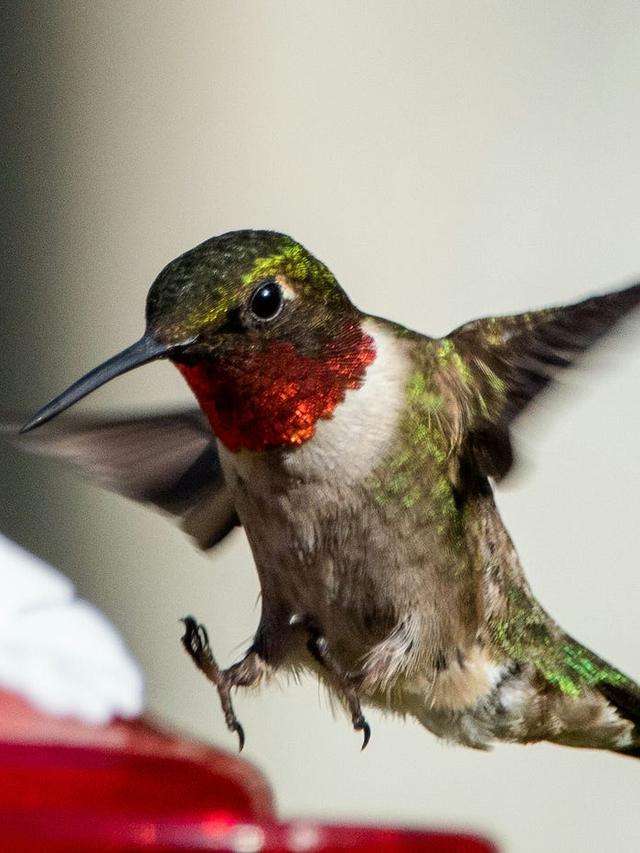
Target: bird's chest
[308,511]
[310,537]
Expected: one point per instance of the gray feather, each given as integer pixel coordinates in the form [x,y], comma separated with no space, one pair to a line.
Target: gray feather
[168,460]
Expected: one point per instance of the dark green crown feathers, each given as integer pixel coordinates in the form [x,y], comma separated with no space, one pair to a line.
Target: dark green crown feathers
[208,281]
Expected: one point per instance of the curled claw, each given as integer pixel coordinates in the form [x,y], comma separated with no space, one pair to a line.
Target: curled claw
[319,649]
[196,642]
[236,727]
[361,725]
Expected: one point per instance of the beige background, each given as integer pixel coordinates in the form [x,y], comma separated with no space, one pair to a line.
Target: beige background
[446,159]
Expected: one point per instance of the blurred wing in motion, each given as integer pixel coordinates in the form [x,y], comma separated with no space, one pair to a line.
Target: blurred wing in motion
[498,365]
[168,460]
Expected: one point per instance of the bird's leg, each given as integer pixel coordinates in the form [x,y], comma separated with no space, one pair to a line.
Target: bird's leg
[318,646]
[246,672]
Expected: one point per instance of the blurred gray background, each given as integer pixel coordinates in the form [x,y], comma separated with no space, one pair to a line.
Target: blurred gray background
[447,160]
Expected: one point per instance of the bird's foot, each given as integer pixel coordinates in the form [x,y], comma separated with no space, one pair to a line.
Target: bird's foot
[196,642]
[318,647]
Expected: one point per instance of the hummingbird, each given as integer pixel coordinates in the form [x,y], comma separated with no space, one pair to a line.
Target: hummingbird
[360,457]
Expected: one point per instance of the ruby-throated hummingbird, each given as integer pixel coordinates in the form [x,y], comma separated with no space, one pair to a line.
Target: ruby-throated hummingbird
[359,457]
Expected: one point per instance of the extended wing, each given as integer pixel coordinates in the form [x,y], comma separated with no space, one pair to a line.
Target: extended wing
[167,460]
[496,366]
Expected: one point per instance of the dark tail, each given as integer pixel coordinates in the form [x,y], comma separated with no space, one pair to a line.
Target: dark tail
[625,698]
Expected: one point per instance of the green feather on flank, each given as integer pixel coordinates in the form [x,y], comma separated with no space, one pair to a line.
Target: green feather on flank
[527,635]
[588,668]
[423,457]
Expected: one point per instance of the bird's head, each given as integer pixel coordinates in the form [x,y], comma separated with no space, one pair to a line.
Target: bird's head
[260,329]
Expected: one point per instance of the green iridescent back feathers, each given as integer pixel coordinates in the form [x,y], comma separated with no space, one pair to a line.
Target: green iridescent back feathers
[462,401]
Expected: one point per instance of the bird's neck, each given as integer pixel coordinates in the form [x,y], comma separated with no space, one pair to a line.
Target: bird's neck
[274,397]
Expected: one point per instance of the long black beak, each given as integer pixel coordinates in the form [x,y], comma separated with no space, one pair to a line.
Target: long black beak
[142,352]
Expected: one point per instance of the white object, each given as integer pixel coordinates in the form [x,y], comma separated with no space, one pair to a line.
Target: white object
[58,651]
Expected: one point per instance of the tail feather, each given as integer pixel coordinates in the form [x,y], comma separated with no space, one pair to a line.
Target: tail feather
[625,698]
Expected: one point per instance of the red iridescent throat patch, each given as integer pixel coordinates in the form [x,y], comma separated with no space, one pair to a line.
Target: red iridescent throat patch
[274,397]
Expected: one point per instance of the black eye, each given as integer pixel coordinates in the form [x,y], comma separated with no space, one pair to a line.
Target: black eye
[266,301]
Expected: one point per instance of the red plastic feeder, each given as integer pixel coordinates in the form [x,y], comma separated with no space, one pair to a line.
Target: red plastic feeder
[131,786]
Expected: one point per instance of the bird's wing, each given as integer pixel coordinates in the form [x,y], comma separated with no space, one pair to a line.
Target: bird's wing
[168,460]
[496,366]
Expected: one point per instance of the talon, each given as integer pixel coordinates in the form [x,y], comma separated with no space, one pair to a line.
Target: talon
[196,642]
[361,725]
[230,715]
[366,729]
[237,728]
